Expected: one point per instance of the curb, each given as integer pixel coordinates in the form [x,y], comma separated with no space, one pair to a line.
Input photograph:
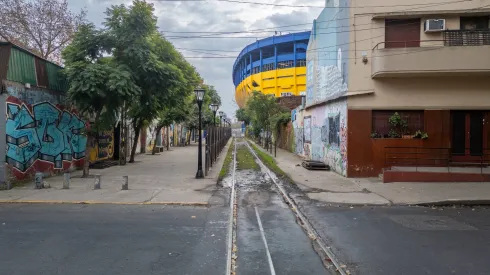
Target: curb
[108,203]
[452,202]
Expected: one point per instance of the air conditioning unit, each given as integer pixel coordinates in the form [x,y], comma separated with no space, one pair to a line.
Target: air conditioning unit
[435,25]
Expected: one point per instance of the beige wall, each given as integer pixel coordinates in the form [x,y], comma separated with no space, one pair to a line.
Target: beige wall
[367,31]
[426,93]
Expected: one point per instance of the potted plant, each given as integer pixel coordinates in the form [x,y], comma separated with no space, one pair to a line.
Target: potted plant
[421,135]
[400,126]
[375,134]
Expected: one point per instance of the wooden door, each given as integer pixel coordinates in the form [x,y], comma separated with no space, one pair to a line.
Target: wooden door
[467,142]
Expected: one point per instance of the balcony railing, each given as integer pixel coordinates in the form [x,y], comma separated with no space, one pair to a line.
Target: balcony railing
[466,37]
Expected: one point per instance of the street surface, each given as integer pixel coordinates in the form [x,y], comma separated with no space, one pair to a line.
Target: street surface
[380,240]
[112,239]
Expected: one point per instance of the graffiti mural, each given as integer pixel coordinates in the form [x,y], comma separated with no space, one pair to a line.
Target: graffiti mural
[33,95]
[307,129]
[102,147]
[42,133]
[329,135]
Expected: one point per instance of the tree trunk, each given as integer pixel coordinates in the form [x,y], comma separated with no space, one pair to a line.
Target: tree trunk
[168,138]
[86,162]
[137,128]
[157,131]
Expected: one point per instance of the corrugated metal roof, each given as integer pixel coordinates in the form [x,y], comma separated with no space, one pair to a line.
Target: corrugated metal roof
[57,81]
[21,67]
[4,60]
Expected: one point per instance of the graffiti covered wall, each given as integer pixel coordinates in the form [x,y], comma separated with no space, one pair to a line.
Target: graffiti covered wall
[329,135]
[102,147]
[41,136]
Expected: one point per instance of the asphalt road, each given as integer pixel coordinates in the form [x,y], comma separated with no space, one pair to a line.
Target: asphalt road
[269,240]
[112,239]
[406,240]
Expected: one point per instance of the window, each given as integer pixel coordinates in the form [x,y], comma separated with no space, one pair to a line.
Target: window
[268,67]
[285,64]
[334,130]
[301,63]
[256,70]
[474,23]
[382,126]
[402,33]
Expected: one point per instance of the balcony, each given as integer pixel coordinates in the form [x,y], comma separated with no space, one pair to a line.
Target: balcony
[458,53]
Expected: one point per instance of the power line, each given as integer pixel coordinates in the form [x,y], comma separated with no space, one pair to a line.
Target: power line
[366,29]
[296,6]
[213,35]
[336,19]
[317,50]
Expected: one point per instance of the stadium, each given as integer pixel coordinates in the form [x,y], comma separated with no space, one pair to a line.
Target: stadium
[275,65]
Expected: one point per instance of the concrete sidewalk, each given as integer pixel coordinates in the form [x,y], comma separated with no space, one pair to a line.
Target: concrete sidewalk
[330,187]
[165,178]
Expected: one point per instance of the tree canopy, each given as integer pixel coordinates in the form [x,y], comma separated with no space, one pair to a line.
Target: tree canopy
[129,67]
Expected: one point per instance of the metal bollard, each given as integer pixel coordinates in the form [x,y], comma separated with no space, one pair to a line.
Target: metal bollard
[97,181]
[66,180]
[125,184]
[38,180]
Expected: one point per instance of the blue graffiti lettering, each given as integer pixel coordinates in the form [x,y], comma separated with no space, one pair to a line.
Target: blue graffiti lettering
[23,143]
[46,134]
[47,117]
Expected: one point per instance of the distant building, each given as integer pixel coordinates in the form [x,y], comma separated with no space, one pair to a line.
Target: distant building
[274,66]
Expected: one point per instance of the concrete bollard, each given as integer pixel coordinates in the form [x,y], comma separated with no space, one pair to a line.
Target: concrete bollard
[38,180]
[125,184]
[66,180]
[97,181]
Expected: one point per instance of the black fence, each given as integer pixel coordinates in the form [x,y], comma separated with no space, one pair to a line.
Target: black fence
[434,157]
[466,37]
[216,139]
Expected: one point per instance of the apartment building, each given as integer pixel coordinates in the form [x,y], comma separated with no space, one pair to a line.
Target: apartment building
[398,84]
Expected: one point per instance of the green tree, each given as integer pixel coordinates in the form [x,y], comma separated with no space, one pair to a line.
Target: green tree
[264,112]
[138,46]
[210,96]
[242,115]
[97,85]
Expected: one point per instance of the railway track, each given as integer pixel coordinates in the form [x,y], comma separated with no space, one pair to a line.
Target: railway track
[267,234]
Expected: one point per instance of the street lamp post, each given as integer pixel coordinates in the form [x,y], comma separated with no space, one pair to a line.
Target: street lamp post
[221,114]
[199,98]
[214,107]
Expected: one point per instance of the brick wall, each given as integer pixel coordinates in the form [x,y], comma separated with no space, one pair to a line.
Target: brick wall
[290,102]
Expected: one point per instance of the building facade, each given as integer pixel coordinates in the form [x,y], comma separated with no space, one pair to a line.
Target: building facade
[274,65]
[39,131]
[397,84]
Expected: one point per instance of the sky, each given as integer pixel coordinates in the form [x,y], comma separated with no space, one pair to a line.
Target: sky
[196,29]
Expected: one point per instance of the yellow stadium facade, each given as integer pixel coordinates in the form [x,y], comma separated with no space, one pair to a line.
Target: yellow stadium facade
[275,65]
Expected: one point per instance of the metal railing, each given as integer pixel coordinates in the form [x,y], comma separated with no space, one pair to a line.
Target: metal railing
[466,37]
[406,44]
[216,139]
[434,157]
[450,38]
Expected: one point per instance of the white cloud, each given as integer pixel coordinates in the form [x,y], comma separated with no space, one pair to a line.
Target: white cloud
[180,18]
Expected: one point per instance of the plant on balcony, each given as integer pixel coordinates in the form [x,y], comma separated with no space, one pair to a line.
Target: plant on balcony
[399,126]
[394,134]
[375,134]
[421,135]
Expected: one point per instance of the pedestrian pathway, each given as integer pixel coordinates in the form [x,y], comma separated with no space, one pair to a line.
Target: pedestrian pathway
[165,178]
[329,187]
